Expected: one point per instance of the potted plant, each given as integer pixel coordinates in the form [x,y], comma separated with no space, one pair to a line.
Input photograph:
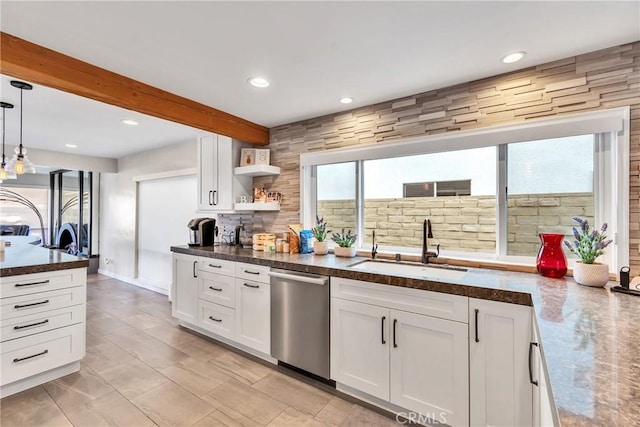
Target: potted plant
[589,245]
[320,245]
[345,244]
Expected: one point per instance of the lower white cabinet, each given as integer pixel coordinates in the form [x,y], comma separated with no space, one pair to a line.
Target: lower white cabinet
[253,315]
[185,288]
[216,318]
[501,393]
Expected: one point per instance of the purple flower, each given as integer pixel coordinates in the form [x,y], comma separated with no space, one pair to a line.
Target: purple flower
[604,227]
[576,234]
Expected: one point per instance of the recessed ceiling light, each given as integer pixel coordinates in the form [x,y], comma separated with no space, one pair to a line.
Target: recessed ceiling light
[346,100]
[130,122]
[71,145]
[258,82]
[513,57]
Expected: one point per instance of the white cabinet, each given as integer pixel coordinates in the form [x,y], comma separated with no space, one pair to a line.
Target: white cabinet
[253,315]
[218,187]
[411,360]
[544,412]
[500,391]
[185,288]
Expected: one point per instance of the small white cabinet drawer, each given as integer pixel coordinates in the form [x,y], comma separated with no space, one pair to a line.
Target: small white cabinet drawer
[44,301]
[24,357]
[255,273]
[218,266]
[30,324]
[217,288]
[436,304]
[41,282]
[216,318]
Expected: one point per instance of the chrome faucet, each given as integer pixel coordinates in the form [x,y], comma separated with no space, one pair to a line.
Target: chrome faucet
[427,234]
[374,246]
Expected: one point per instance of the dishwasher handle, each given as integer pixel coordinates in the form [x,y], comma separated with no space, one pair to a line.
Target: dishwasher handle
[299,278]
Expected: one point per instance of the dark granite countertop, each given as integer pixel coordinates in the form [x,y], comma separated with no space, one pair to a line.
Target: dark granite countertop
[589,336]
[24,258]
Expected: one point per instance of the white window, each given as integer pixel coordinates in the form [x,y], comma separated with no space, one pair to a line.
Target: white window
[501,186]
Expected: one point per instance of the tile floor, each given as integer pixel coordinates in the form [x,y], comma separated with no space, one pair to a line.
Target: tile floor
[141,369]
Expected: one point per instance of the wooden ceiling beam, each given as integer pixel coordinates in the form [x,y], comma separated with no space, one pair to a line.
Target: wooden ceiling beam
[24,60]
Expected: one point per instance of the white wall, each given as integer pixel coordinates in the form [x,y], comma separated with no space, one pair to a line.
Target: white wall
[118,203]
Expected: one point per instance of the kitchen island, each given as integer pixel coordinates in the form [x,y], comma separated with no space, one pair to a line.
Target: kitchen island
[586,335]
[43,314]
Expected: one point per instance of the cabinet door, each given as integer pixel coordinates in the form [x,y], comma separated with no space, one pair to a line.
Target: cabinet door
[430,367]
[223,191]
[500,391]
[185,288]
[253,315]
[206,158]
[360,346]
[542,409]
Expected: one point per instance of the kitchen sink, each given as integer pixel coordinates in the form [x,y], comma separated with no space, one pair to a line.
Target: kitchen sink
[431,271]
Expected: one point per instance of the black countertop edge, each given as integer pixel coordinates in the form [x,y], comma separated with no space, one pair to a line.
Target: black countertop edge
[43,268]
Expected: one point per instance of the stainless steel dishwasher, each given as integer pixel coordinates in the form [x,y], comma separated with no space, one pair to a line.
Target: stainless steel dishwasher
[300,320]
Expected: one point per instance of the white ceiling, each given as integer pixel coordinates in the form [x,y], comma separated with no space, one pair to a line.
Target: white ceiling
[312,52]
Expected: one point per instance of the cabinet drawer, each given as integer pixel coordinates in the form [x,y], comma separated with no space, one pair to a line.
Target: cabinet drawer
[24,357]
[255,273]
[40,282]
[216,318]
[44,301]
[436,304]
[218,266]
[41,322]
[217,289]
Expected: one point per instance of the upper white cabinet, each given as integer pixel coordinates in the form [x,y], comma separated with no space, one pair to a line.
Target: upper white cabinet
[218,187]
[501,393]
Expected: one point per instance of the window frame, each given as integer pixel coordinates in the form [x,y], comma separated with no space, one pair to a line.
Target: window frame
[611,172]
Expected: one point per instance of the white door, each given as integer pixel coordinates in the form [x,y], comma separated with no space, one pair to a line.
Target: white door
[185,288]
[360,346]
[206,160]
[499,337]
[223,189]
[429,367]
[253,315]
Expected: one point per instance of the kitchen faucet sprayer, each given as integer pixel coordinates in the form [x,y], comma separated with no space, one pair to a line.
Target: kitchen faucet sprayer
[427,234]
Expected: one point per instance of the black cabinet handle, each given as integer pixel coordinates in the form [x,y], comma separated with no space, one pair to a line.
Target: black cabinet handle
[395,322]
[214,319]
[382,330]
[211,198]
[531,345]
[251,272]
[215,266]
[476,322]
[215,197]
[251,286]
[30,305]
[215,289]
[43,282]
[45,321]
[194,268]
[16,360]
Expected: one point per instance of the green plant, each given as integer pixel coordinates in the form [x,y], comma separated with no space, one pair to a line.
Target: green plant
[589,244]
[320,230]
[344,240]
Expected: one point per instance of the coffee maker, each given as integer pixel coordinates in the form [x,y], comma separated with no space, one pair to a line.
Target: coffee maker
[202,231]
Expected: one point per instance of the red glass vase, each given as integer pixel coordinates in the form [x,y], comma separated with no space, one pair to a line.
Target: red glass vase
[551,261]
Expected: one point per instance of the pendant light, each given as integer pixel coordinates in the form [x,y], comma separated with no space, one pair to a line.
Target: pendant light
[4,172]
[20,163]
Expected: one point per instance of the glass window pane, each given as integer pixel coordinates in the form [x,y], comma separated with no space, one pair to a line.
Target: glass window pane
[24,211]
[462,213]
[336,195]
[548,182]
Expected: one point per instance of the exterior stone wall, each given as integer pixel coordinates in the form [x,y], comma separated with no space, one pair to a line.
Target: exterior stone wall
[466,223]
[598,80]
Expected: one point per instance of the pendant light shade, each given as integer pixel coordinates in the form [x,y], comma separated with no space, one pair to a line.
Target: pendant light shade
[5,172]
[20,163]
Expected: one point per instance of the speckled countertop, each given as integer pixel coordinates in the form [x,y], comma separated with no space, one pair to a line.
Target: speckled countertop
[24,258]
[590,336]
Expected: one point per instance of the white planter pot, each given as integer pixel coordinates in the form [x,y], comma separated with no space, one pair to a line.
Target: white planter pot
[345,252]
[320,248]
[591,274]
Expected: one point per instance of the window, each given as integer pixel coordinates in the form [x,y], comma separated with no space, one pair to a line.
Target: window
[488,192]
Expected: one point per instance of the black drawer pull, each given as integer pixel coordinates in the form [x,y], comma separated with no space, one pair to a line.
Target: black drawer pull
[215,266]
[531,345]
[251,272]
[382,328]
[45,321]
[31,305]
[251,286]
[43,282]
[215,289]
[214,319]
[477,338]
[16,360]
[395,343]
